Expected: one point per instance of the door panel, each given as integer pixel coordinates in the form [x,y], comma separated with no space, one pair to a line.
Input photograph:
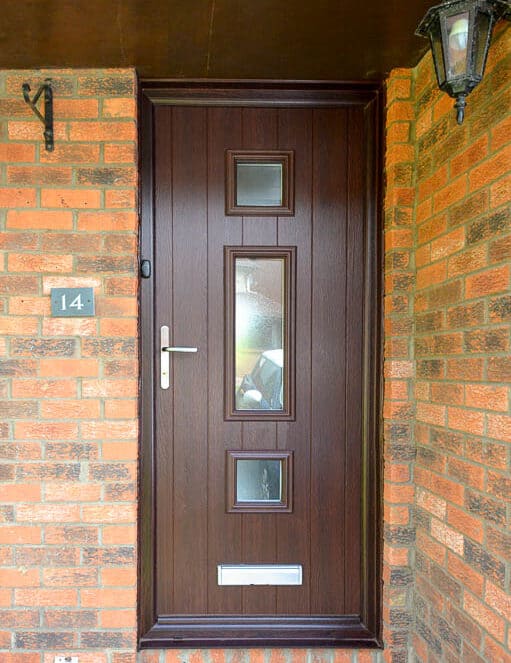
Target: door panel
[330,434]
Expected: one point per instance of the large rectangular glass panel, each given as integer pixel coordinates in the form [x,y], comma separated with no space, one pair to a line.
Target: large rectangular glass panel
[259,333]
[259,184]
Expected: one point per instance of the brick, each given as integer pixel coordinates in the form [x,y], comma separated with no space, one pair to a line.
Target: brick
[120,199]
[108,598]
[48,431]
[38,175]
[500,308]
[119,534]
[500,192]
[68,367]
[71,198]
[71,409]
[64,388]
[41,347]
[476,152]
[105,264]
[69,618]
[31,130]
[499,543]
[485,617]
[447,536]
[465,575]
[488,227]
[465,523]
[71,153]
[450,194]
[120,153]
[466,420]
[19,534]
[71,243]
[13,152]
[500,250]
[119,513]
[71,492]
[11,326]
[16,197]
[102,131]
[486,507]
[110,388]
[491,169]
[105,85]
[71,534]
[29,306]
[70,577]
[82,327]
[491,454]
[486,397]
[106,176]
[499,484]
[499,369]
[19,578]
[448,244]
[45,597]
[39,220]
[45,641]
[47,513]
[20,492]
[24,262]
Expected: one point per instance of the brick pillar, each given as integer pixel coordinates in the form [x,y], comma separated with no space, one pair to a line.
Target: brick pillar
[68,387]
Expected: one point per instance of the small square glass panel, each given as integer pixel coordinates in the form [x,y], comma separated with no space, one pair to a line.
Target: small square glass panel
[258,184]
[258,480]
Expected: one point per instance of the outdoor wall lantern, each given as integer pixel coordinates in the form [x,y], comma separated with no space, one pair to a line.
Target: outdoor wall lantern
[460,32]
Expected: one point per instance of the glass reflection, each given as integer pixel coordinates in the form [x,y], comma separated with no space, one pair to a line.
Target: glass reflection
[457,29]
[258,480]
[259,332]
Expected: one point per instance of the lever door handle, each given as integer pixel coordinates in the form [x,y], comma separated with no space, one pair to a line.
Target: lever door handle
[165,349]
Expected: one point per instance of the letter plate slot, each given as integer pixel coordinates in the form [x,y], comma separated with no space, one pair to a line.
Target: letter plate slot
[259,574]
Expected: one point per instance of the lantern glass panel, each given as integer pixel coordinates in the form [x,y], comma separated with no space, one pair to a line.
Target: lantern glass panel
[436,50]
[482,38]
[457,44]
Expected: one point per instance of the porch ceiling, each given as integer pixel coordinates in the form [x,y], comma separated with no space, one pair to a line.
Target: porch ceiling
[294,39]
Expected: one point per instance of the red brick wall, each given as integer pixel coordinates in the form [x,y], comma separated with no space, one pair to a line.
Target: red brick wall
[68,387]
[462,314]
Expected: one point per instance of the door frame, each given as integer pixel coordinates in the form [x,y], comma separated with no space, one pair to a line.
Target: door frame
[352,631]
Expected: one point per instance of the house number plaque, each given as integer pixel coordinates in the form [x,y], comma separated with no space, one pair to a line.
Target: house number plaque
[72,302]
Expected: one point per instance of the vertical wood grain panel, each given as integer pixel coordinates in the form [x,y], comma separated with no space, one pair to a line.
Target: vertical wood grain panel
[164,400]
[189,371]
[328,416]
[356,242]
[293,541]
[224,529]
[260,132]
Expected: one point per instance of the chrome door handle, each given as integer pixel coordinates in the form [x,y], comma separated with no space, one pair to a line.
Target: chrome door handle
[165,350]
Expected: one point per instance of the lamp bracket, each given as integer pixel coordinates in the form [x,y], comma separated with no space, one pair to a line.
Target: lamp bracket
[47,118]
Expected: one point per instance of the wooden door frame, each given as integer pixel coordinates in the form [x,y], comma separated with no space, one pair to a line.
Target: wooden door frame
[216,631]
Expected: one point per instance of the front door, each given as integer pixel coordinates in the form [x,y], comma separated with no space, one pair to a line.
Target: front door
[260,320]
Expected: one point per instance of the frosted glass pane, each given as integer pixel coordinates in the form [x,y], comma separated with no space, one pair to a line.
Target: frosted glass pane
[259,332]
[259,184]
[258,480]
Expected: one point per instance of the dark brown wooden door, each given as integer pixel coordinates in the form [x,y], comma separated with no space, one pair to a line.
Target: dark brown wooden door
[326,531]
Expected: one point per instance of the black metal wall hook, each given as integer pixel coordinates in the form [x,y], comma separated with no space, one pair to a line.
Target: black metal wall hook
[47,118]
